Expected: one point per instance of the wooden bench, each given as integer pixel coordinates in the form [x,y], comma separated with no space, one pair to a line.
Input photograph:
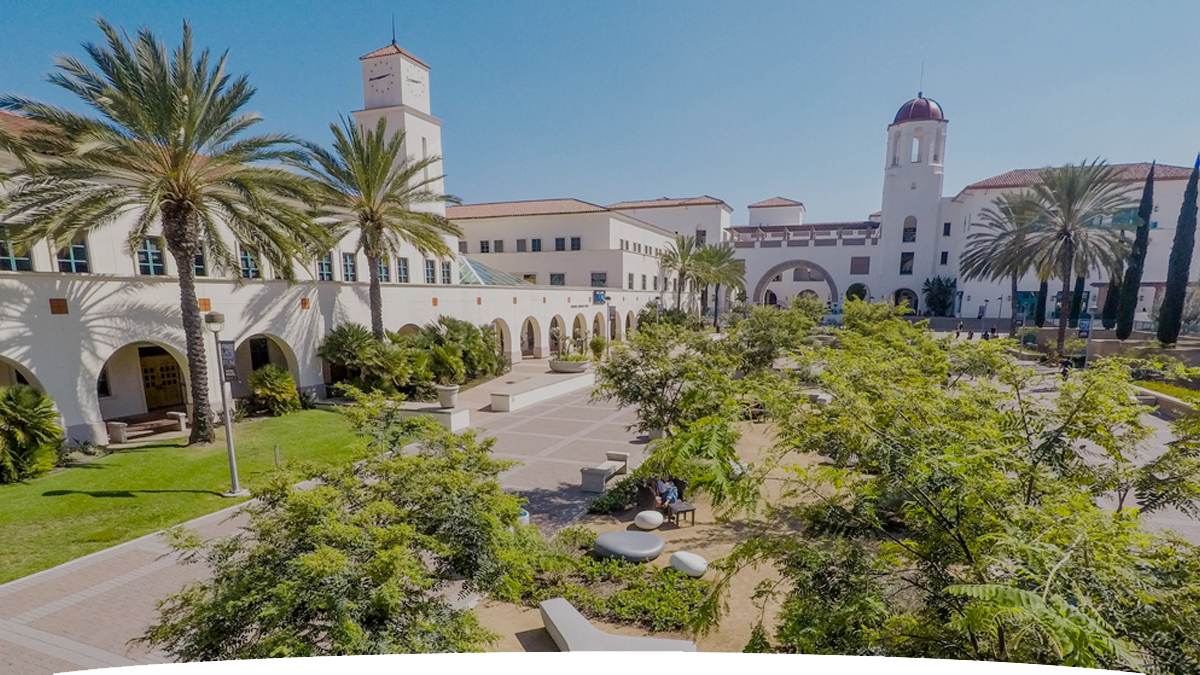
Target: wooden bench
[572,632]
[594,478]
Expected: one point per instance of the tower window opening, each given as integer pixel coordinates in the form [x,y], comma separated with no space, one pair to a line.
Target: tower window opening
[916,150]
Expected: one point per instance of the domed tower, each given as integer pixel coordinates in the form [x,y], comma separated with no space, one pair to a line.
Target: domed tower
[912,192]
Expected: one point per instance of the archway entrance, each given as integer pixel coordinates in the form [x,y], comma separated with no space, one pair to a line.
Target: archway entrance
[858,290]
[906,295]
[530,338]
[558,332]
[12,373]
[257,351]
[142,381]
[598,325]
[791,278]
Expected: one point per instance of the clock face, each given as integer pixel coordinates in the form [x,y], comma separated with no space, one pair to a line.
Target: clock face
[414,84]
[381,77]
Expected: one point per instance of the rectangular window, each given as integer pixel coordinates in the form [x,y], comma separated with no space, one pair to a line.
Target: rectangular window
[576,244]
[73,259]
[402,270]
[249,265]
[9,260]
[860,265]
[150,258]
[520,246]
[631,281]
[945,229]
[200,265]
[643,282]
[485,247]
[385,270]
[531,278]
[498,246]
[446,278]
[325,268]
[600,279]
[349,267]
[910,234]
[906,263]
[535,245]
[674,284]
[462,246]
[430,272]
[945,257]
[560,244]
[656,282]
[701,236]
[558,279]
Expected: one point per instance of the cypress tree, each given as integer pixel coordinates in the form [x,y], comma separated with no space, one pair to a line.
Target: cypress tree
[1130,285]
[1039,309]
[1076,302]
[1170,316]
[1112,298]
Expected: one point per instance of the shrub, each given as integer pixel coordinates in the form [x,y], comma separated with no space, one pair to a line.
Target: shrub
[621,496]
[597,345]
[275,390]
[369,363]
[29,433]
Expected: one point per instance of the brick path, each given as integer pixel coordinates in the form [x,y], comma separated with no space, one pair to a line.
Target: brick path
[84,613]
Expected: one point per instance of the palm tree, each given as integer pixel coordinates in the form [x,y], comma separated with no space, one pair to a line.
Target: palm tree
[1072,238]
[367,184]
[998,249]
[680,257]
[168,149]
[717,265]
[29,433]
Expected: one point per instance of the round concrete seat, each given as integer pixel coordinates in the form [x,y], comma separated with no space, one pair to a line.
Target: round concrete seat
[630,545]
[689,563]
[648,520]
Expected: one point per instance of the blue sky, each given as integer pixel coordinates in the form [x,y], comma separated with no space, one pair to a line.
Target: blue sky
[743,101]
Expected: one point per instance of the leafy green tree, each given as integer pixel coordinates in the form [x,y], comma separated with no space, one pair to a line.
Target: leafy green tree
[168,148]
[1179,266]
[681,257]
[29,433]
[274,388]
[1132,281]
[768,333]
[357,564]
[367,186]
[998,249]
[961,516]
[703,454]
[938,293]
[1075,234]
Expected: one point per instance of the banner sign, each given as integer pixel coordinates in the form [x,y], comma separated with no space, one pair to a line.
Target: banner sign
[599,297]
[228,349]
[1085,327]
[612,312]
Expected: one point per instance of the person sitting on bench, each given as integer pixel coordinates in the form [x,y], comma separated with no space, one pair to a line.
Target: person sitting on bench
[667,492]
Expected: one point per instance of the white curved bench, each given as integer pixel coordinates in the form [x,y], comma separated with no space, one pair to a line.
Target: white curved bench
[572,632]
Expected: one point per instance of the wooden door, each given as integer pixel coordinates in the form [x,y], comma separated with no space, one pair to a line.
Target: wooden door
[162,381]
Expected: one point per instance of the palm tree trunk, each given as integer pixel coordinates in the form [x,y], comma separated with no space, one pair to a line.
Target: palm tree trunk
[375,297]
[1064,311]
[717,307]
[183,250]
[1016,307]
[679,291]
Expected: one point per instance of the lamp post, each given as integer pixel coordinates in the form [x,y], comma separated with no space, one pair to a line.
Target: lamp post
[215,322]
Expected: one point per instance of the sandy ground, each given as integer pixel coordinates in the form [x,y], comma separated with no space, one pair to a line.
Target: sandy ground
[521,628]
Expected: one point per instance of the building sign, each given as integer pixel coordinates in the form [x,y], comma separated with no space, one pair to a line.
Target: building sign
[228,351]
[599,297]
[612,312]
[1085,327]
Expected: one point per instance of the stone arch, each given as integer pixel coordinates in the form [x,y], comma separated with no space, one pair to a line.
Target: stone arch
[858,290]
[808,293]
[506,340]
[257,350]
[557,325]
[918,146]
[143,378]
[12,372]
[629,323]
[906,295]
[579,327]
[770,300]
[760,289]
[598,325]
[532,343]
[409,329]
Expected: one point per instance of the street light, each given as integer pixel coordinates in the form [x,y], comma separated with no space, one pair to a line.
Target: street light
[215,322]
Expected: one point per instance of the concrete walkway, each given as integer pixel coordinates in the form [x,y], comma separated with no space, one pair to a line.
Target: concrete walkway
[84,613]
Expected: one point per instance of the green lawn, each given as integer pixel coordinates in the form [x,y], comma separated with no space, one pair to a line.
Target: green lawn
[122,496]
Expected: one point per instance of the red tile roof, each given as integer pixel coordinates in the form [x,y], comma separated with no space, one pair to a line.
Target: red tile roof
[1132,173]
[535,207]
[775,201]
[668,201]
[390,50]
[16,123]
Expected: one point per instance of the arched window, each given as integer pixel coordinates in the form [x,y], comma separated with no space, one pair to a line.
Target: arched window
[910,229]
[918,141]
[895,145]
[939,141]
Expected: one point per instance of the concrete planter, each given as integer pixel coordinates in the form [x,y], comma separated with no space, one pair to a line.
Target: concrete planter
[447,395]
[568,366]
[656,434]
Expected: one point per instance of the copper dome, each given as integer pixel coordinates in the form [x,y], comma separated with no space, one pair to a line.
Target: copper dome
[920,108]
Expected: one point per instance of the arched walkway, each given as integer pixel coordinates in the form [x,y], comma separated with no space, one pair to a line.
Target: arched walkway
[259,350]
[142,379]
[760,289]
[906,295]
[507,346]
[629,323]
[598,325]
[409,329]
[532,343]
[12,373]
[858,290]
[558,332]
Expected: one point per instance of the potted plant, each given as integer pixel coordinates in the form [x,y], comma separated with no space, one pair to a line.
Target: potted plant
[565,361]
[597,345]
[446,364]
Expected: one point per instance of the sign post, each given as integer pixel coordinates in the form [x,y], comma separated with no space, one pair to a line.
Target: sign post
[227,356]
